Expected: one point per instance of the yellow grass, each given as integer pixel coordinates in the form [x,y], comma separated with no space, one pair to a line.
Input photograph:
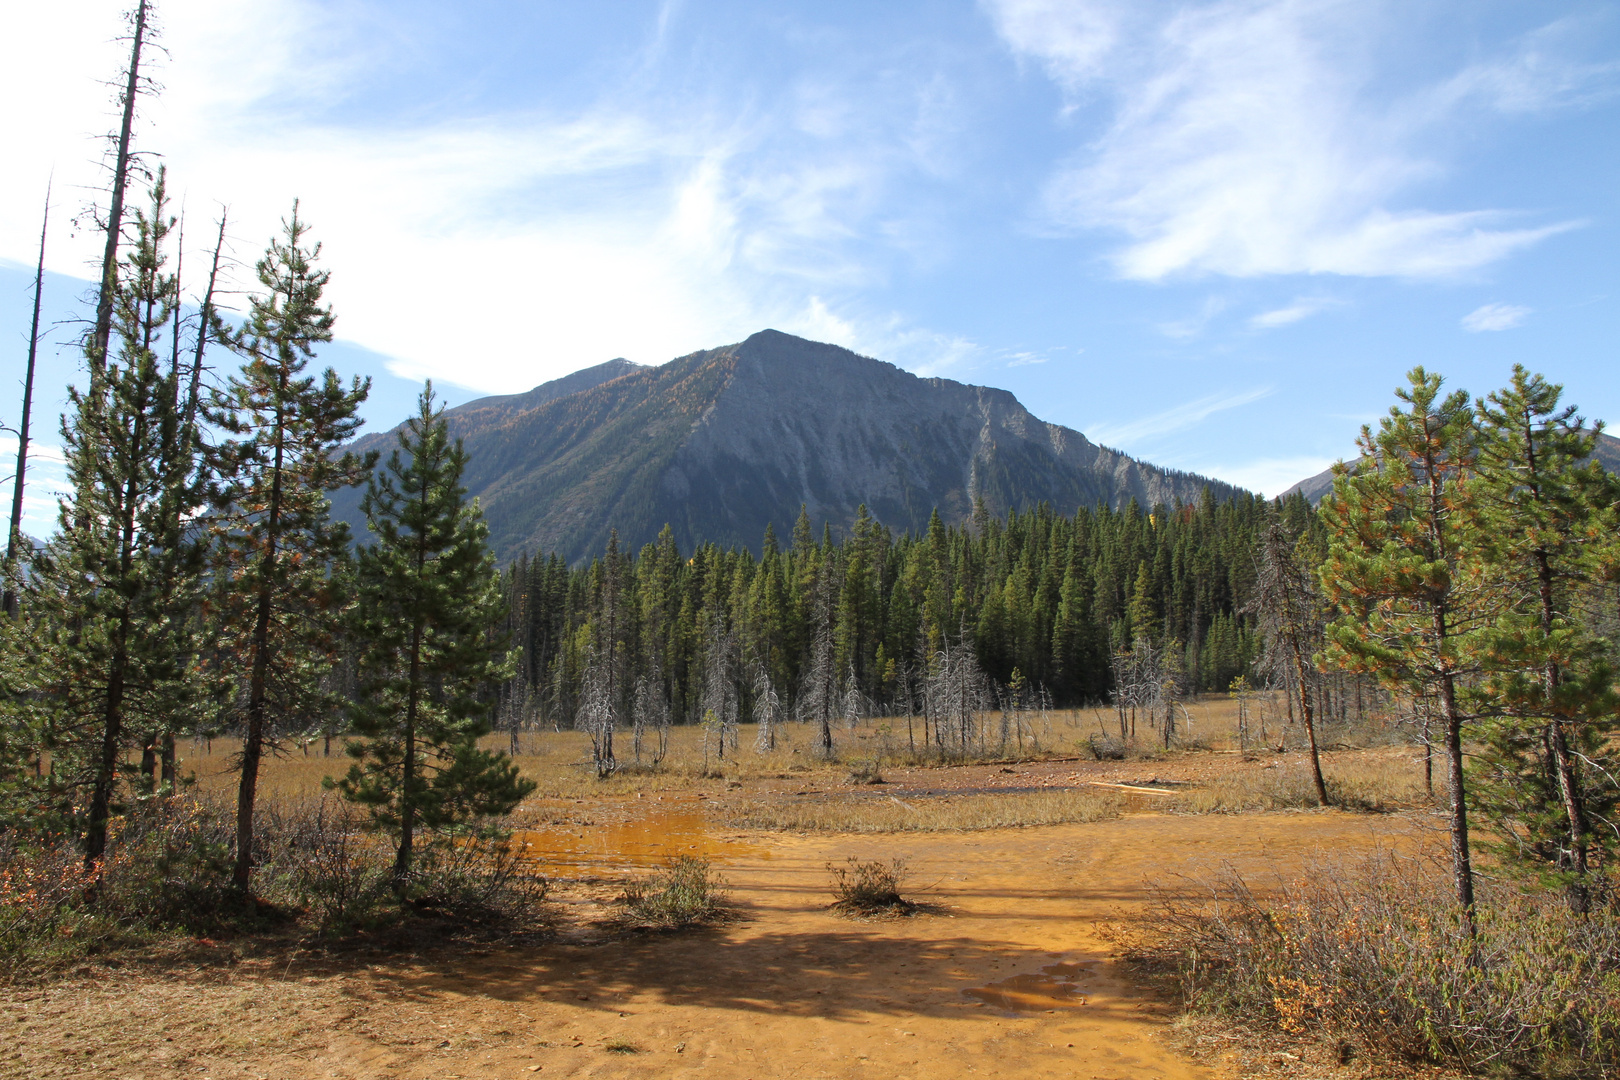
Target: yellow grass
[888,813]
[1367,780]
[559,763]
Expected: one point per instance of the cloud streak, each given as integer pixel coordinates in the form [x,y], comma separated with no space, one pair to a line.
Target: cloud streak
[1491,317]
[1177,419]
[502,246]
[1244,142]
[1298,311]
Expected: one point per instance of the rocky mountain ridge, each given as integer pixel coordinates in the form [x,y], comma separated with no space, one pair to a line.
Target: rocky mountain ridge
[721,442]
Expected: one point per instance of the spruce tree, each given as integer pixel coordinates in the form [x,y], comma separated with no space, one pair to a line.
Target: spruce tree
[282,586]
[112,597]
[1540,510]
[1396,570]
[428,594]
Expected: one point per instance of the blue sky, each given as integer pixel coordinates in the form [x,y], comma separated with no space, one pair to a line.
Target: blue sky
[1213,235]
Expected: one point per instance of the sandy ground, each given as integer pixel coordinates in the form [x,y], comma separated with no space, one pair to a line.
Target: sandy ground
[1010,976]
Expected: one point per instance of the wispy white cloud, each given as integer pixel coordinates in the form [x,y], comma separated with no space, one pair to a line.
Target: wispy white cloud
[503,248]
[1269,476]
[1494,317]
[1194,325]
[1300,309]
[1026,359]
[1245,140]
[1124,434]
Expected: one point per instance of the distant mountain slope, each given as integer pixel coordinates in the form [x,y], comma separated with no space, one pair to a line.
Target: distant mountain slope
[720,442]
[1608,452]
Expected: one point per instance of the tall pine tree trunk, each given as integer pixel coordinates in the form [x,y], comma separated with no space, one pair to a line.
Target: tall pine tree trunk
[408,779]
[8,600]
[101,335]
[253,740]
[1558,746]
[112,715]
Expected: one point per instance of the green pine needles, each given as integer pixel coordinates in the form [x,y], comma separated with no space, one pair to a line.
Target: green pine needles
[1469,553]
[428,595]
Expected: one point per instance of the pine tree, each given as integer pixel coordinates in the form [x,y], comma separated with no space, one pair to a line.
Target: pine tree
[428,594]
[283,586]
[1396,571]
[112,595]
[1539,510]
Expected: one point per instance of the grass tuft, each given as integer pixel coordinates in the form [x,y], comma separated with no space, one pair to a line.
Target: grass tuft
[687,893]
[870,888]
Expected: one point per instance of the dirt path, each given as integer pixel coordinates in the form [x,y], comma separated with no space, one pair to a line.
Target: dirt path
[1010,979]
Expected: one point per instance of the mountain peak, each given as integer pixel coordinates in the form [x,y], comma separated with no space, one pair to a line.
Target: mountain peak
[722,442]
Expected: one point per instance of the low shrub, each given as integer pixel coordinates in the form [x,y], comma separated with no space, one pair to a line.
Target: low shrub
[865,772]
[870,888]
[43,889]
[168,868]
[477,879]
[688,892]
[316,855]
[1377,955]
[1105,747]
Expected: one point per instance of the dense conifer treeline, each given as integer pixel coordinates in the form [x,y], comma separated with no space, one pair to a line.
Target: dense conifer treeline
[1044,601]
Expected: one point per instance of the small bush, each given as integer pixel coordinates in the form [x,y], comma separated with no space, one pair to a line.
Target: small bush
[1105,747]
[42,897]
[866,772]
[1377,955]
[477,879]
[319,858]
[870,888]
[686,893]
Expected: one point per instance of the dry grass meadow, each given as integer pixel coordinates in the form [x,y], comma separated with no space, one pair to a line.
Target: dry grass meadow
[1022,863]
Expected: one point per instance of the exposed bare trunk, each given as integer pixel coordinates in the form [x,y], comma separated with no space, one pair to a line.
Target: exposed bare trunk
[8,600]
[101,335]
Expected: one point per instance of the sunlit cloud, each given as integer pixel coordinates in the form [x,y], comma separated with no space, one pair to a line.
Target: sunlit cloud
[501,249]
[1270,476]
[1490,317]
[1299,310]
[1244,140]
[1176,419]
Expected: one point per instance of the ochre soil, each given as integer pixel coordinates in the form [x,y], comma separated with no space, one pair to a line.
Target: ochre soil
[1008,974]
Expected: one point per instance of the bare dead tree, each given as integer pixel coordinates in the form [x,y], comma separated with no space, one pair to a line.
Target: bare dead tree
[650,713]
[1292,622]
[8,600]
[101,333]
[853,701]
[209,328]
[957,691]
[767,709]
[720,685]
[818,697]
[597,716]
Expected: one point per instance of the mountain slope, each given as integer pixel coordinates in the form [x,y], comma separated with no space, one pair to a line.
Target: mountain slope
[1315,487]
[720,442]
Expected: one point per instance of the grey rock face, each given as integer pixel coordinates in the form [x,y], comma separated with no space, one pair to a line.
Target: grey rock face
[719,443]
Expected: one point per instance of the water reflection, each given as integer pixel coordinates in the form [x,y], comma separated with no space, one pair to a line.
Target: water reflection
[647,836]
